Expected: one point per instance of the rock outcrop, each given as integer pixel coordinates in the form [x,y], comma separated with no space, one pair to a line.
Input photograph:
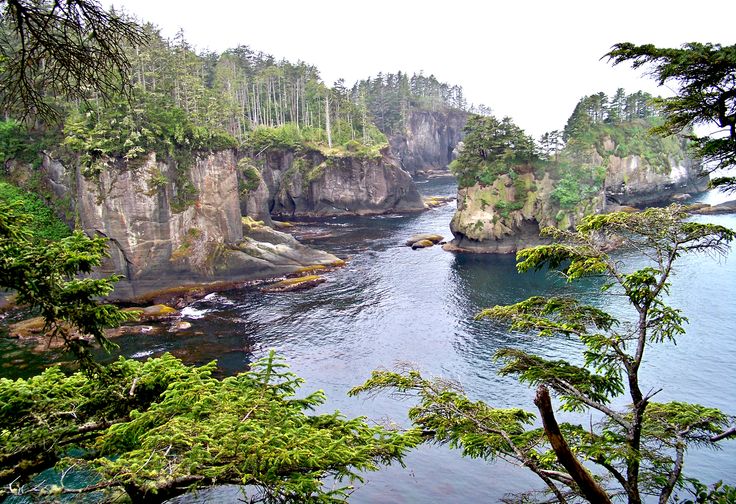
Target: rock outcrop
[727,207]
[429,138]
[161,239]
[312,184]
[508,215]
[630,182]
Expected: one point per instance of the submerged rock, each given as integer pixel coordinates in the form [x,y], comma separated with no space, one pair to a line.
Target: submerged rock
[30,328]
[33,330]
[295,284]
[180,325]
[321,268]
[282,224]
[154,312]
[132,329]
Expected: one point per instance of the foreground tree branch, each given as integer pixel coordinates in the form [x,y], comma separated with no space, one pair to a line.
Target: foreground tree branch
[70,48]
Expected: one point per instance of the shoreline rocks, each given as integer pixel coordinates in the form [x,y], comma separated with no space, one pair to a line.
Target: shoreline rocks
[727,207]
[172,232]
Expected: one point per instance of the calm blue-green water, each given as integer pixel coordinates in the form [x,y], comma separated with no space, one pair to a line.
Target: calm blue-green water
[393,304]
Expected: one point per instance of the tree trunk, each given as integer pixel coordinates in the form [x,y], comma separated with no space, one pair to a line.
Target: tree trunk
[590,489]
[327,120]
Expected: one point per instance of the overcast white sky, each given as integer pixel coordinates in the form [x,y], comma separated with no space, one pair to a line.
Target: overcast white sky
[531,60]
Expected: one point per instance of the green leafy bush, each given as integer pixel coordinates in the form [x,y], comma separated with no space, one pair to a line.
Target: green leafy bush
[44,224]
[306,138]
[130,131]
[577,183]
[505,208]
[250,177]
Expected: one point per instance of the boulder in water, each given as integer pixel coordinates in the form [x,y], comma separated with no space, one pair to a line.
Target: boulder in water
[154,312]
[422,244]
[180,325]
[434,238]
[282,225]
[437,201]
[33,327]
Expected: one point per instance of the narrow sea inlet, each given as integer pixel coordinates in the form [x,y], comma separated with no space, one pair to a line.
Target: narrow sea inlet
[392,304]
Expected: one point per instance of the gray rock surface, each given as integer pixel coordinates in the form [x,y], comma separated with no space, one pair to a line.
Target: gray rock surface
[428,140]
[311,184]
[631,182]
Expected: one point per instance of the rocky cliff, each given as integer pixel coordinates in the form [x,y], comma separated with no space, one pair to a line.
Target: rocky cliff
[428,140]
[159,242]
[508,215]
[631,181]
[308,183]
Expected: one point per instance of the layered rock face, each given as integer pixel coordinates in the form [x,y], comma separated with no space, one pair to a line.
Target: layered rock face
[497,219]
[313,185]
[629,181]
[156,246]
[428,141]
[133,208]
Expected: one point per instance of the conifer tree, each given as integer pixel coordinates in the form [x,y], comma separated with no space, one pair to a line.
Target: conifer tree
[639,450]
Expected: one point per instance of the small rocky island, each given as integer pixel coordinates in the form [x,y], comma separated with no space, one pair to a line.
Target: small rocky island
[605,159]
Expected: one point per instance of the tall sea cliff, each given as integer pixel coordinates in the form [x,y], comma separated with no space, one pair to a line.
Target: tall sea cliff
[157,241]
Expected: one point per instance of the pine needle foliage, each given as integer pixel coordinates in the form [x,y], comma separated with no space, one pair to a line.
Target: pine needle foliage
[704,76]
[161,428]
[60,48]
[45,274]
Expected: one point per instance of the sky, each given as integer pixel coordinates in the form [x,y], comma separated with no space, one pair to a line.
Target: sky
[530,60]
